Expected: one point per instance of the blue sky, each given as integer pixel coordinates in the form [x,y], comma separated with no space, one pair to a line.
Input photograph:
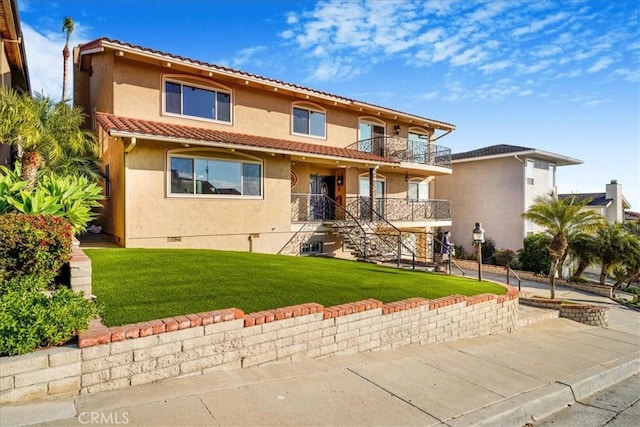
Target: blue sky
[560,76]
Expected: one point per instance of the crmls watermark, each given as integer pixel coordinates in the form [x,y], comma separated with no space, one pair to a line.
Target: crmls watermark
[104,418]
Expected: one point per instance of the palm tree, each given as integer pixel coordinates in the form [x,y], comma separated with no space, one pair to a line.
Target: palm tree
[561,218]
[583,247]
[618,247]
[48,135]
[67,27]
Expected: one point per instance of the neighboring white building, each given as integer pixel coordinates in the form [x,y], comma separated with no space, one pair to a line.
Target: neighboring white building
[611,204]
[494,185]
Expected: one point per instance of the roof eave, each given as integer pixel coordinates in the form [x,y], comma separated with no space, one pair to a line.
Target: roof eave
[227,145]
[558,159]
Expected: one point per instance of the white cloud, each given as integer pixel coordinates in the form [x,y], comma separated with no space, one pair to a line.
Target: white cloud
[495,66]
[44,59]
[247,55]
[601,64]
[469,56]
[539,24]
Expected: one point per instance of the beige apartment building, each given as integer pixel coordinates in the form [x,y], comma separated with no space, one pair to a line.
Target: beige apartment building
[13,60]
[203,156]
[494,185]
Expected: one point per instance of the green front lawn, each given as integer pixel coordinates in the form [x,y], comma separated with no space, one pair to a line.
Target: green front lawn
[135,285]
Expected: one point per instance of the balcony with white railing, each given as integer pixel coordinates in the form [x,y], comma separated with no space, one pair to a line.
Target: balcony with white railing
[405,150]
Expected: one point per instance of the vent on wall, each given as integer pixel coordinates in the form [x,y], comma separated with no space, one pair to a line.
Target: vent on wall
[174,239]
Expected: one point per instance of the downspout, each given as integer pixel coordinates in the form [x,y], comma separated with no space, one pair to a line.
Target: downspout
[131,146]
[127,150]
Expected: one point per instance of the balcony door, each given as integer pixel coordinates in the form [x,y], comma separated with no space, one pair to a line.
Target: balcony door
[418,147]
[322,194]
[371,137]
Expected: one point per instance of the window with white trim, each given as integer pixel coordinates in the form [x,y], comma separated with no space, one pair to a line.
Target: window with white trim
[529,228]
[418,190]
[530,172]
[214,177]
[309,121]
[552,176]
[197,101]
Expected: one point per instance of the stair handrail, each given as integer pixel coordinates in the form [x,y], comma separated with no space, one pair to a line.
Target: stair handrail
[509,270]
[400,242]
[363,251]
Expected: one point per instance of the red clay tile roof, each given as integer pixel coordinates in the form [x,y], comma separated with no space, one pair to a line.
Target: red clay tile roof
[141,128]
[98,43]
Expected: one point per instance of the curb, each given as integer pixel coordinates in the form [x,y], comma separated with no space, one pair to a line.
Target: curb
[546,400]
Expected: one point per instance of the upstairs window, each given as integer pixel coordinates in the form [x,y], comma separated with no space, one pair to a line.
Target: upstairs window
[419,190]
[530,172]
[309,121]
[197,101]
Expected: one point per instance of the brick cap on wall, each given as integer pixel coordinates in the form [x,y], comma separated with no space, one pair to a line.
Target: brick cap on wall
[100,334]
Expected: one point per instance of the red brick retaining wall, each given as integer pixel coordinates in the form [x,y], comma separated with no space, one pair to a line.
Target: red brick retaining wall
[124,356]
[584,313]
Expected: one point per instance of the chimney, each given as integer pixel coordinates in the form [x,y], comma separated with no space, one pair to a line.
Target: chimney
[615,212]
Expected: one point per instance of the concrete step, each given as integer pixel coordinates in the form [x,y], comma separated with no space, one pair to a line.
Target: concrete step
[528,315]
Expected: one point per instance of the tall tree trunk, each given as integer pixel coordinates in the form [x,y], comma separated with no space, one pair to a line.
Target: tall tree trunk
[552,277]
[582,266]
[604,272]
[30,162]
[65,60]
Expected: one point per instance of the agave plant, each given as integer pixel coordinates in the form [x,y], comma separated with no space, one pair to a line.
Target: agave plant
[71,197]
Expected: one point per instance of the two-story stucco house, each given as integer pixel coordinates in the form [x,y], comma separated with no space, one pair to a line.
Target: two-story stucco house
[494,185]
[13,60]
[203,156]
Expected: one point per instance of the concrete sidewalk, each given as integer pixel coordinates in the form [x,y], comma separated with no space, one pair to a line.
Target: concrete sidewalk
[505,380]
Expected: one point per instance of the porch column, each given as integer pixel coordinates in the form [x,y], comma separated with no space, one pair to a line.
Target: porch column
[372,190]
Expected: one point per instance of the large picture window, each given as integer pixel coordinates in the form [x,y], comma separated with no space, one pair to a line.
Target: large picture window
[210,176]
[196,101]
[309,121]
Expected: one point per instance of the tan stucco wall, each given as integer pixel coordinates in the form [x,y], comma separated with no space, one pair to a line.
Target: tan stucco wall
[490,192]
[112,218]
[217,223]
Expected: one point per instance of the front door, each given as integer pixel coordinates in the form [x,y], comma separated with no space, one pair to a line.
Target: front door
[322,189]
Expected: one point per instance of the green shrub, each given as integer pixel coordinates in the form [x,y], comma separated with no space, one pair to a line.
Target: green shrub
[488,248]
[31,319]
[534,256]
[70,197]
[503,257]
[33,248]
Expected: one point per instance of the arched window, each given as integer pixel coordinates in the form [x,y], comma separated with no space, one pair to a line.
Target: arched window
[309,120]
[195,99]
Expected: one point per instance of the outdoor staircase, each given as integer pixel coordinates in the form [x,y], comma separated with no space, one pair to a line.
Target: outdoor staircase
[366,240]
